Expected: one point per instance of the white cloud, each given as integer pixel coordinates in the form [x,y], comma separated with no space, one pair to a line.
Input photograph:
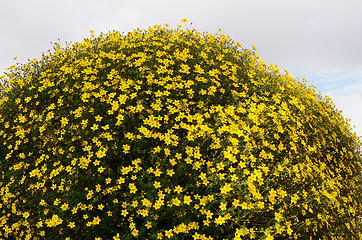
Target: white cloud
[304,36]
[349,100]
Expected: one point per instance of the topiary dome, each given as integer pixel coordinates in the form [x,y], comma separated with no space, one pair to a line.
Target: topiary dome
[171,134]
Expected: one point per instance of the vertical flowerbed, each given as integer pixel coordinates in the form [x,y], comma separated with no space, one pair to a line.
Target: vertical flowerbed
[171,134]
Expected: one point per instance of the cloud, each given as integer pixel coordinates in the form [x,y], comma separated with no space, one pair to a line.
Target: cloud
[345,90]
[349,99]
[303,36]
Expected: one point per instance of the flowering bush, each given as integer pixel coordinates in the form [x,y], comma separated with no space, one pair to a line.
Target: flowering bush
[171,134]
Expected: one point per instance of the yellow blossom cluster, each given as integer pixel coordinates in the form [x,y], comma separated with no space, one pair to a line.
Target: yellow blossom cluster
[171,134]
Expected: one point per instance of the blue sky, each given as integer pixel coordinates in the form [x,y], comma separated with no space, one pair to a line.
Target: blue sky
[319,40]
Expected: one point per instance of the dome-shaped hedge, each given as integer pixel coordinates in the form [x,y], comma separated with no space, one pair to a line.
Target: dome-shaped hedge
[171,134]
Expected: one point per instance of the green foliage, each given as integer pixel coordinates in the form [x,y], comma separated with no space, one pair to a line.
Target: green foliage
[171,134]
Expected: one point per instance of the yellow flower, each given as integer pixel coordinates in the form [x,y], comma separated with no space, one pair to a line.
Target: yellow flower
[178,189]
[39,224]
[84,123]
[101,153]
[185,69]
[278,216]
[101,169]
[148,225]
[108,181]
[120,180]
[184,20]
[176,201]
[96,220]
[50,115]
[157,172]
[170,172]
[223,206]
[198,70]
[54,221]
[26,215]
[89,194]
[132,188]
[159,235]
[116,237]
[187,200]
[272,195]
[234,178]
[157,184]
[209,214]
[226,188]
[158,204]
[64,121]
[268,236]
[282,193]
[64,206]
[71,225]
[235,203]
[126,148]
[146,202]
[57,201]
[42,202]
[168,233]
[220,220]
[124,212]
[94,127]
[98,118]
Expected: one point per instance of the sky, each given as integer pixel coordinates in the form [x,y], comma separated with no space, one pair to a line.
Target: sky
[319,40]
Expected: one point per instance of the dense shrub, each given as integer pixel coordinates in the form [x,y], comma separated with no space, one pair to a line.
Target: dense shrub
[170,133]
